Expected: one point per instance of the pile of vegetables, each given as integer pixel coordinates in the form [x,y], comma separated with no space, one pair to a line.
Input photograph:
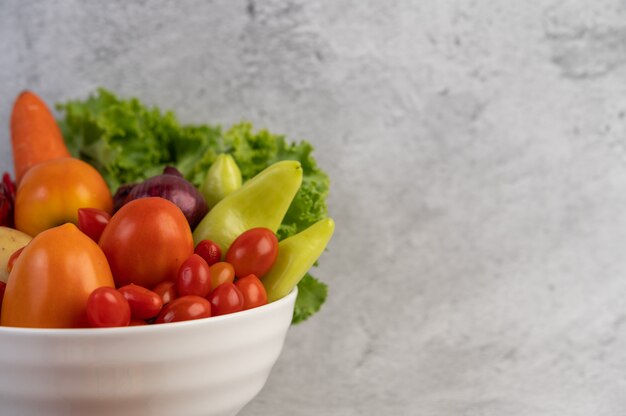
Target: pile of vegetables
[138,219]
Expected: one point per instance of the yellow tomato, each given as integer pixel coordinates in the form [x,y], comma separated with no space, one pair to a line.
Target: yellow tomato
[51,192]
[51,280]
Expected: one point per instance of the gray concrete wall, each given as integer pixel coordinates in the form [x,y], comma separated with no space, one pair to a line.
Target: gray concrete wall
[477,151]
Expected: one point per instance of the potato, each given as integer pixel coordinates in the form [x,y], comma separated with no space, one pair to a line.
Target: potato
[10,241]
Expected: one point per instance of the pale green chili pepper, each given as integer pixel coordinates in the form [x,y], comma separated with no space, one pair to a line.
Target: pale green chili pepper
[222,178]
[260,202]
[296,256]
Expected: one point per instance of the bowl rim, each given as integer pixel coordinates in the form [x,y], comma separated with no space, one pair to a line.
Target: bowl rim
[212,320]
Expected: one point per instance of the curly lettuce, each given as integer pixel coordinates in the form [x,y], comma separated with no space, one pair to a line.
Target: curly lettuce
[128,142]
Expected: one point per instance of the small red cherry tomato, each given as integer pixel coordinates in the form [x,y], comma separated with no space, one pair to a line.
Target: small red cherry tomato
[253,252]
[144,303]
[13,258]
[222,272]
[185,308]
[137,322]
[253,291]
[166,290]
[106,307]
[92,222]
[209,251]
[226,298]
[194,277]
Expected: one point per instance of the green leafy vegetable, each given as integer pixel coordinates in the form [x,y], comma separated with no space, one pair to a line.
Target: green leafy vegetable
[129,142]
[311,295]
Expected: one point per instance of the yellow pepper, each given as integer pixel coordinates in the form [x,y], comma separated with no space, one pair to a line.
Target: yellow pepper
[260,202]
[222,178]
[296,256]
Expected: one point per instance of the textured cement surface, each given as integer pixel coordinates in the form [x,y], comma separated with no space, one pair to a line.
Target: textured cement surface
[478,156]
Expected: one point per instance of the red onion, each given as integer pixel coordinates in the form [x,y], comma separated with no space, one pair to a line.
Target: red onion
[172,186]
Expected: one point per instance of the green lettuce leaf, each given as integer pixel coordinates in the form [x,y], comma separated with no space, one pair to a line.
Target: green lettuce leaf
[128,142]
[311,295]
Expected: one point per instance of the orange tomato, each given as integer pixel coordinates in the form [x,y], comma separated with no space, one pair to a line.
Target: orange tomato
[51,192]
[52,279]
[146,242]
[221,272]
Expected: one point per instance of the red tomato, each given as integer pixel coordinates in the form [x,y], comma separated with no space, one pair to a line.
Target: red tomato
[144,303]
[194,277]
[209,251]
[253,252]
[226,298]
[106,307]
[166,290]
[253,291]
[185,308]
[137,322]
[13,258]
[92,222]
[222,272]
[146,241]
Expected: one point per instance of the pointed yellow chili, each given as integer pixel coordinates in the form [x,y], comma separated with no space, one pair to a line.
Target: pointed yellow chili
[260,202]
[296,256]
[222,178]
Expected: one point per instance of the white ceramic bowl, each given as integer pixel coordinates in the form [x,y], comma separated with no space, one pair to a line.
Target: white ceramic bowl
[211,366]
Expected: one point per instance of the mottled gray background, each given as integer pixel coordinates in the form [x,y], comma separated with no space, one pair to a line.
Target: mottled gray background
[477,151]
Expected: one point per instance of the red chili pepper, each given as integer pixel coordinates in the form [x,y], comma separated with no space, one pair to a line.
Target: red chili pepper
[7,200]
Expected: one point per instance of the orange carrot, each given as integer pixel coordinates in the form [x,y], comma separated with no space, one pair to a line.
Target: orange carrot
[35,135]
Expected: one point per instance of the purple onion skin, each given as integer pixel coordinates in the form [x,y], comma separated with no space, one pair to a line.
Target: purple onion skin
[121,195]
[171,170]
[175,189]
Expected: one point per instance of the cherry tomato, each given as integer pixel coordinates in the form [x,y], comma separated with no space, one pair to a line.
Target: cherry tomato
[166,290]
[253,291]
[222,272]
[13,258]
[144,303]
[194,277]
[106,307]
[226,298]
[209,251]
[92,222]
[146,241]
[253,252]
[185,308]
[137,322]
